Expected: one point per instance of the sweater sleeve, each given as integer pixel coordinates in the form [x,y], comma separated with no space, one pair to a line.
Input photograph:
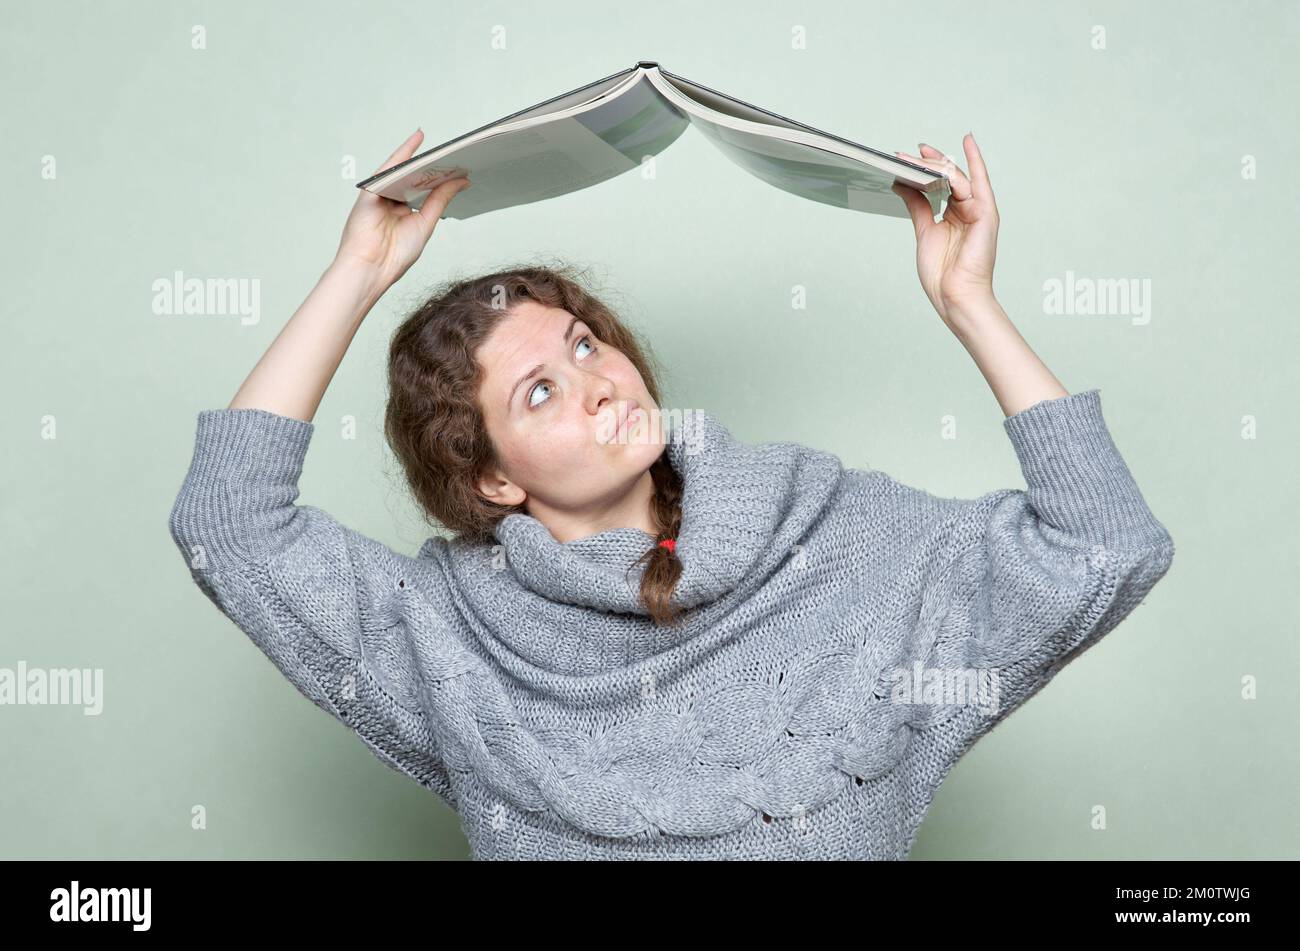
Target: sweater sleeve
[324,603]
[1035,577]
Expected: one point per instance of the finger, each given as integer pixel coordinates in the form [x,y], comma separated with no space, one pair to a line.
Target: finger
[959,188]
[404,151]
[918,208]
[979,173]
[957,181]
[440,198]
[961,185]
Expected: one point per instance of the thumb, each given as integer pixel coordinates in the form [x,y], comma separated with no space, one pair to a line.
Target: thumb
[438,200]
[918,208]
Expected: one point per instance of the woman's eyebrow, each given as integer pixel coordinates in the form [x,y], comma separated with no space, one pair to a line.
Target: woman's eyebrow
[568,332]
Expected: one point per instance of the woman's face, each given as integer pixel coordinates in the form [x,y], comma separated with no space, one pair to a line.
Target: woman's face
[553,397]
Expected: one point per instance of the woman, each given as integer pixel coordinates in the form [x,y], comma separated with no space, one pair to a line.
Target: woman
[650,640]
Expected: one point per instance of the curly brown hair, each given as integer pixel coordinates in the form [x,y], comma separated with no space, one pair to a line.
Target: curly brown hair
[436,429]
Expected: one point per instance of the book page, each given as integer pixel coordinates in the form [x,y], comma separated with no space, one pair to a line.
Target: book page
[552,158]
[736,114]
[583,95]
[799,159]
[809,172]
[577,97]
[727,105]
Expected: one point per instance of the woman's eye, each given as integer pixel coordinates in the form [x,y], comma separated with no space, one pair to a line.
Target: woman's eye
[533,403]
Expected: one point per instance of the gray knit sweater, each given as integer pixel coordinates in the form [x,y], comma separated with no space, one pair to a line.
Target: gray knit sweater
[848,637]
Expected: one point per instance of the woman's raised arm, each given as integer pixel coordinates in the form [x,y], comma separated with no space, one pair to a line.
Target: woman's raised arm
[954,260]
[328,605]
[381,240]
[1033,577]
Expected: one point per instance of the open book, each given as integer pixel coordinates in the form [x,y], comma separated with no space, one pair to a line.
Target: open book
[608,127]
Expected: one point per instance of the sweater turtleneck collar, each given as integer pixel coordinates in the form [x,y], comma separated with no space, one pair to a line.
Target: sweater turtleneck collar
[737,498]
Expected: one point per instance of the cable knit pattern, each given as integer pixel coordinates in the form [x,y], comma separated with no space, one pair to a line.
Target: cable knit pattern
[524,683]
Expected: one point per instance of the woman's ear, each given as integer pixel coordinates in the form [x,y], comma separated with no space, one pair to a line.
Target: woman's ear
[495,487]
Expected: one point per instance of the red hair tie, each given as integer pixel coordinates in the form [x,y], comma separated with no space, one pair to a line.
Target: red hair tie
[670,544]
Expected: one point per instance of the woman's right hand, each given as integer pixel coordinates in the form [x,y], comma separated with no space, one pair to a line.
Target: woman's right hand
[385,236]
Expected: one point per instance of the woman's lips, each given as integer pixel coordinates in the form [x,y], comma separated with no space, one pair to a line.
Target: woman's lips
[630,409]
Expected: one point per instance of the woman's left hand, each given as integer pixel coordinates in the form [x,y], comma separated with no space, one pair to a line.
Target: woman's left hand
[954,256]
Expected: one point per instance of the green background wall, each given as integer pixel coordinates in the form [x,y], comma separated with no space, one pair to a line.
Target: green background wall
[1160,156]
